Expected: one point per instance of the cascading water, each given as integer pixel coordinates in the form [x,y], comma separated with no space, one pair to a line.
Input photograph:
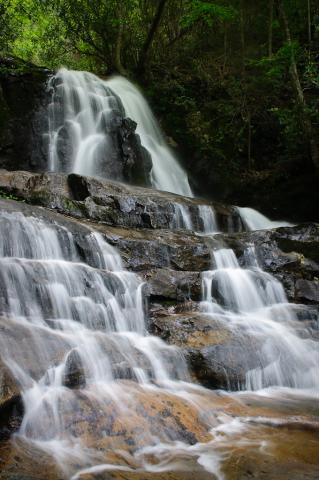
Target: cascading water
[208,219]
[82,316]
[252,304]
[254,220]
[167,174]
[83,110]
[86,315]
[80,115]
[200,218]
[73,325]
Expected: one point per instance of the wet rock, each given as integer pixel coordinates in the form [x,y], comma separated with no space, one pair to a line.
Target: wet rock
[22,461]
[74,375]
[184,475]
[11,407]
[217,357]
[141,249]
[261,440]
[137,161]
[9,387]
[105,201]
[307,291]
[289,253]
[173,285]
[17,337]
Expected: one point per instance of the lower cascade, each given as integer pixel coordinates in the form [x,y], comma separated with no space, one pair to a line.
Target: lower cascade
[92,314]
[99,393]
[254,305]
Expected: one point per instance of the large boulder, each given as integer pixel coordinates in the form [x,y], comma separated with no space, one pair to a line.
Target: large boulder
[217,356]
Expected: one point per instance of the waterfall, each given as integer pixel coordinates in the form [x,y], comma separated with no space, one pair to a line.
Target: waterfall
[82,113]
[200,218]
[253,306]
[99,391]
[182,217]
[254,220]
[208,218]
[87,314]
[167,174]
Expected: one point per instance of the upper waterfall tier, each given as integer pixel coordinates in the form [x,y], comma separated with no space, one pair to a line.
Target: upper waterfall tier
[83,117]
[166,173]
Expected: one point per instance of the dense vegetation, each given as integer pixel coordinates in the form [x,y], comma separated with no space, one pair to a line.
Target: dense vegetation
[235,83]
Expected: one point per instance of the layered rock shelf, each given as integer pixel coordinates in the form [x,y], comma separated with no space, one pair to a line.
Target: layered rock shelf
[170,261]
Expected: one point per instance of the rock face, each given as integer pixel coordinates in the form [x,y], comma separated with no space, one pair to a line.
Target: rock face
[109,202]
[290,253]
[23,117]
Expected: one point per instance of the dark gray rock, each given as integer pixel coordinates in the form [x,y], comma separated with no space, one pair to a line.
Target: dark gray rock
[307,291]
[217,358]
[74,375]
[106,201]
[23,118]
[291,254]
[173,285]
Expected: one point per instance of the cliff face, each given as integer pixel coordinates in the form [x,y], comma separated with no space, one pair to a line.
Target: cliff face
[23,118]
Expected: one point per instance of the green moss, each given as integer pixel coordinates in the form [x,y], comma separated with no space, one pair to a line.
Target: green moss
[73,206]
[10,196]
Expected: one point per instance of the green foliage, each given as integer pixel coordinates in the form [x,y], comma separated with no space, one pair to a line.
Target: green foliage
[207,12]
[10,196]
[311,74]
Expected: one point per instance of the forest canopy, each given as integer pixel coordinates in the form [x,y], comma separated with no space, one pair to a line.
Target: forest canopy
[235,82]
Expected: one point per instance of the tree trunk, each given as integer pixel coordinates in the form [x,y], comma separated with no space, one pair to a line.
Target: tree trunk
[249,135]
[271,17]
[225,48]
[242,35]
[309,23]
[306,120]
[117,61]
[150,37]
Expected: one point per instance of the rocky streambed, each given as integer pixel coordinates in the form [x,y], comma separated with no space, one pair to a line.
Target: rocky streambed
[255,436]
